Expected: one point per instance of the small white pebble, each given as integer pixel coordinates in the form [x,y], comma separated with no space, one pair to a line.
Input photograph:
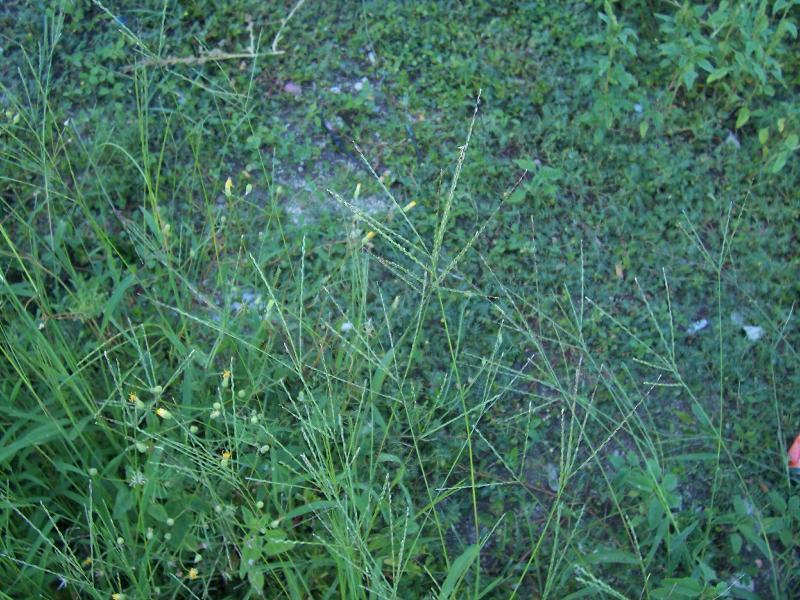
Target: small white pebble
[697,326]
[753,332]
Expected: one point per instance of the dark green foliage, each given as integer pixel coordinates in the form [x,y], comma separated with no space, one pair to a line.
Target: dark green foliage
[493,393]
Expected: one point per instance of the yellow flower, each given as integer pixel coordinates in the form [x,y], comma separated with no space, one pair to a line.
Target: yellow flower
[409,206]
[132,397]
[118,596]
[193,573]
[226,378]
[368,237]
[87,561]
[226,455]
[228,187]
[163,413]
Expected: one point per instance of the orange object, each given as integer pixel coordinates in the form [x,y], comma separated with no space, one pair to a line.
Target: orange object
[794,454]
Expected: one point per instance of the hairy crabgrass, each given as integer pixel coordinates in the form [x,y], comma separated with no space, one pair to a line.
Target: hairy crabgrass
[229,370]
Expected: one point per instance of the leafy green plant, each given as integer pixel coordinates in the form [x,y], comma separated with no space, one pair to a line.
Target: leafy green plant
[237,364]
[614,85]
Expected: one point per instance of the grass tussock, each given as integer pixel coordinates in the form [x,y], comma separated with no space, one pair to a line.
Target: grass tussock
[513,343]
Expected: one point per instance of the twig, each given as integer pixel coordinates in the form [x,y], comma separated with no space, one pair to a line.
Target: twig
[283,26]
[214,55]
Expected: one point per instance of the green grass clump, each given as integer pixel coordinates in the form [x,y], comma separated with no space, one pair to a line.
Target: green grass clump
[532,335]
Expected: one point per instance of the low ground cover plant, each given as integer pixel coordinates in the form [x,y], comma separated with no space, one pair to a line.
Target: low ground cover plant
[398,300]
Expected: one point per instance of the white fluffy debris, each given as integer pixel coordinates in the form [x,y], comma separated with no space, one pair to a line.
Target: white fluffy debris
[697,326]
